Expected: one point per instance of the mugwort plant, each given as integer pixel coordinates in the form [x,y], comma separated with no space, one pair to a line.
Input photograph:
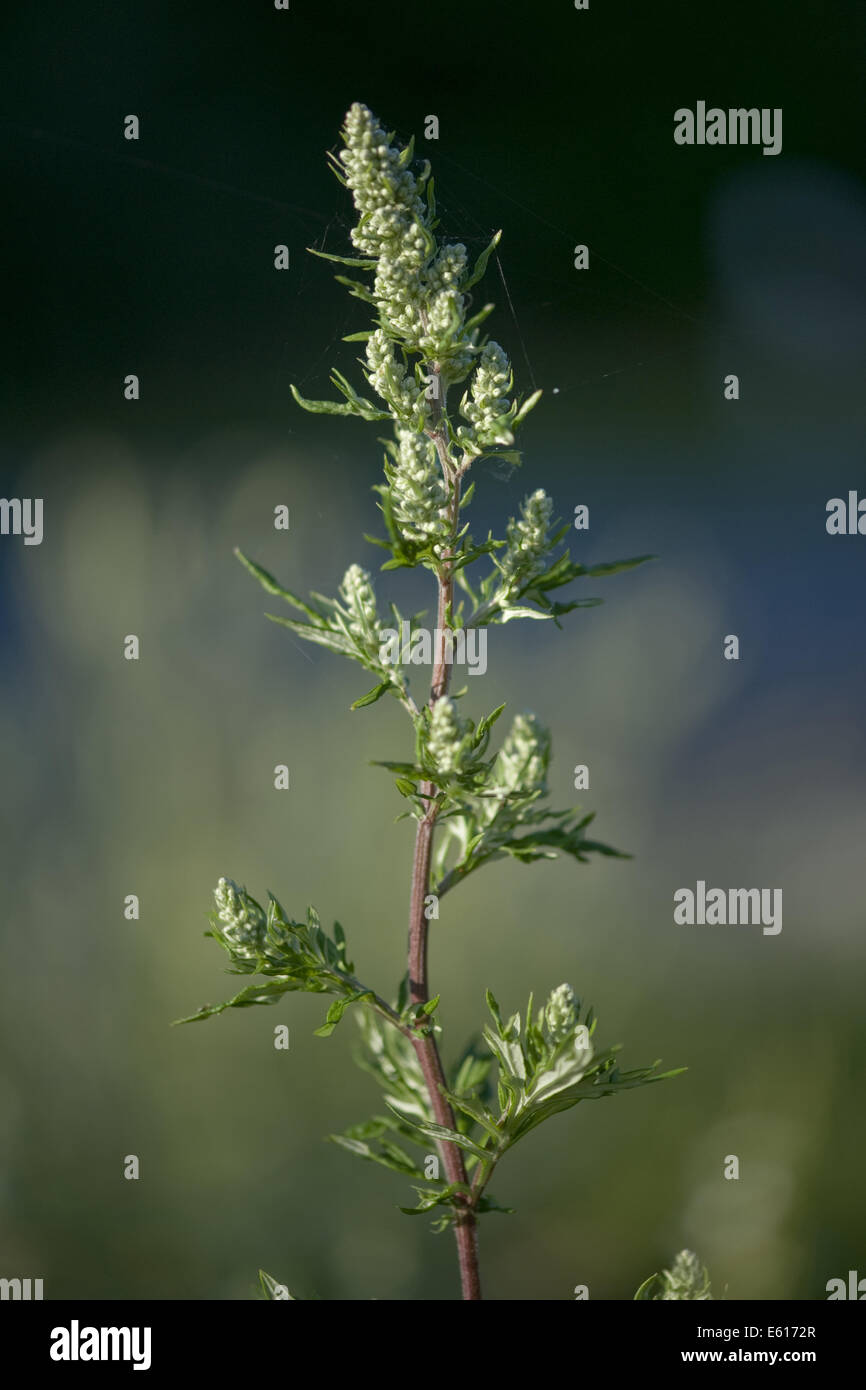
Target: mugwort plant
[445,390]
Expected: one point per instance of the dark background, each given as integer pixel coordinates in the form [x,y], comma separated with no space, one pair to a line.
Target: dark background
[156,257]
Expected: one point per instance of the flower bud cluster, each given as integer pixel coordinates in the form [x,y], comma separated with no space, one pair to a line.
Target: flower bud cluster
[560,1014]
[446,738]
[687,1279]
[361,611]
[486,405]
[419,495]
[524,758]
[244,924]
[393,223]
[416,287]
[528,544]
[397,388]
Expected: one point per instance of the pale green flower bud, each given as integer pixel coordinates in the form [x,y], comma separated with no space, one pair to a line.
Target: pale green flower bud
[486,404]
[243,922]
[359,602]
[398,299]
[457,366]
[528,543]
[419,495]
[444,308]
[560,1013]
[386,376]
[445,737]
[524,757]
[416,288]
[448,269]
[378,181]
[444,313]
[686,1279]
[492,382]
[393,224]
[570,1051]
[381,366]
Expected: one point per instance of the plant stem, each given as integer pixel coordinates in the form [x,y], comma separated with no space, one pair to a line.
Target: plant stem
[427,1052]
[465,1226]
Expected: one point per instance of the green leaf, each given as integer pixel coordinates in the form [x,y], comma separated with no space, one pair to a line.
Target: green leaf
[335,1013]
[430,1197]
[407,154]
[360,406]
[390,1156]
[270,584]
[405,787]
[321,636]
[618,566]
[529,404]
[354,261]
[476,1112]
[322,407]
[372,695]
[494,1009]
[481,264]
[512,456]
[487,1204]
[252,994]
[356,289]
[490,719]
[442,1133]
[506,615]
[483,313]
[472,1071]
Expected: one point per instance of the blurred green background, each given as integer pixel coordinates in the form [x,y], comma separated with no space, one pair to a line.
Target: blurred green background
[156,777]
